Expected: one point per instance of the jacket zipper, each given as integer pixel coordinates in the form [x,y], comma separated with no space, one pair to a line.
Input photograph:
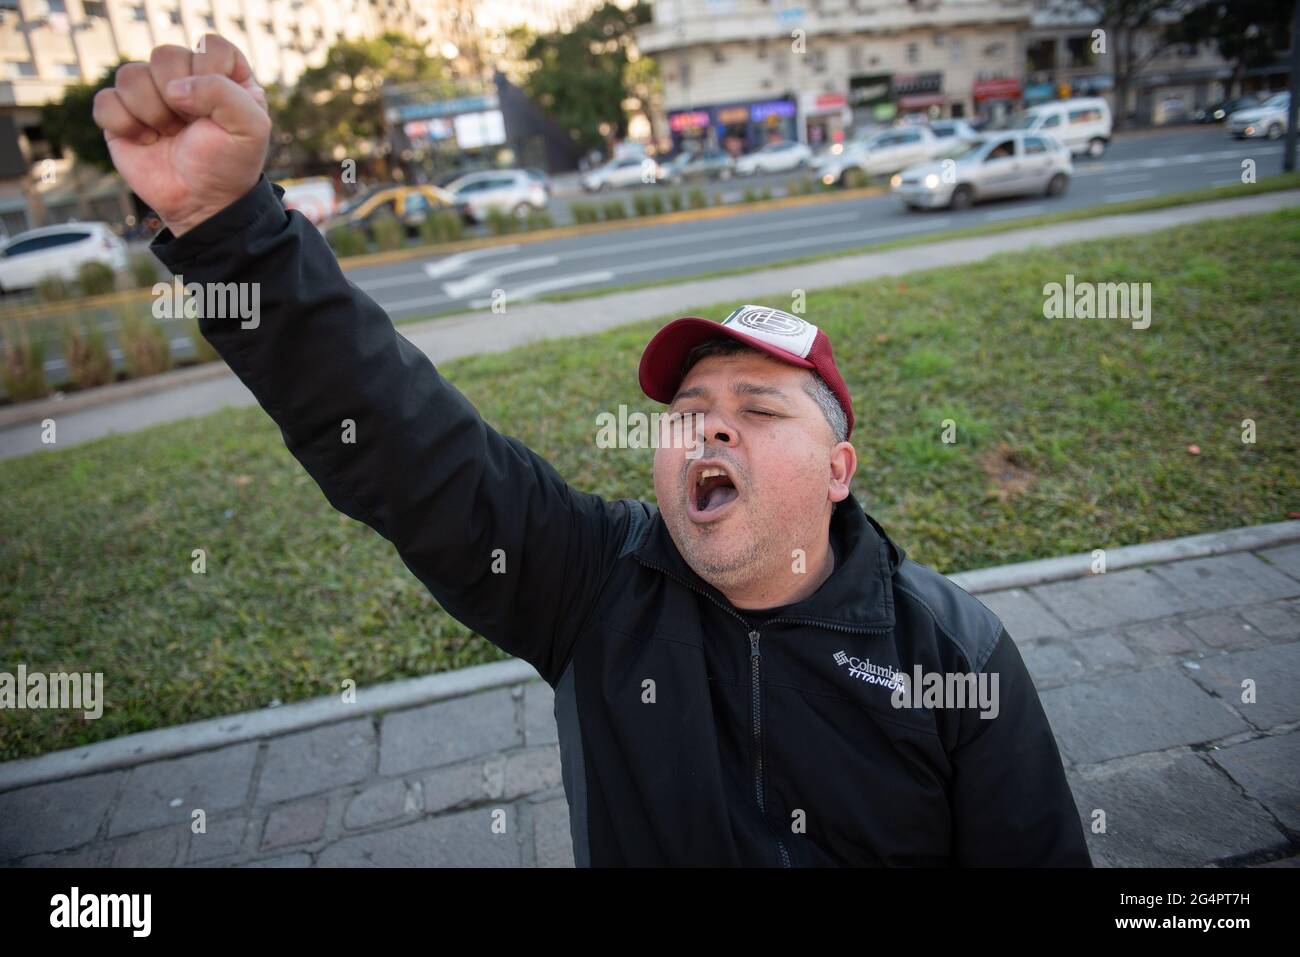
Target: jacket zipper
[755,684]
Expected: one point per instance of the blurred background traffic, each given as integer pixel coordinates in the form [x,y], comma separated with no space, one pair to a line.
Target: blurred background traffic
[423,135]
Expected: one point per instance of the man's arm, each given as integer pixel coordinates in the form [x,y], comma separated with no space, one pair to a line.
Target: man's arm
[487,525]
[1011,803]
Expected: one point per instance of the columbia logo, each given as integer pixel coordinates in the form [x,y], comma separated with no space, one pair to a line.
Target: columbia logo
[864,670]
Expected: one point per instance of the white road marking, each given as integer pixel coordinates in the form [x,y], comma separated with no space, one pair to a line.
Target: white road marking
[445,267]
[529,290]
[459,289]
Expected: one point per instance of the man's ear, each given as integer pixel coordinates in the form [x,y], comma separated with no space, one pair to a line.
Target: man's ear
[844,462]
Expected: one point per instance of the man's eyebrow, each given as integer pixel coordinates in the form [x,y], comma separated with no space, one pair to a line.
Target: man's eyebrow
[740,388]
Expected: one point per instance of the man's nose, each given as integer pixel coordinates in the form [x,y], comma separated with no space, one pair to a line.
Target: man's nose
[718,428]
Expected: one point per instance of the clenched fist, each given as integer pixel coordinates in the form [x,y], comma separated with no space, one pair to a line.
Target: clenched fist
[188,131]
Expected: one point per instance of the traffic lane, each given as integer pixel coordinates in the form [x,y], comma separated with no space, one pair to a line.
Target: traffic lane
[1137,167]
[676,251]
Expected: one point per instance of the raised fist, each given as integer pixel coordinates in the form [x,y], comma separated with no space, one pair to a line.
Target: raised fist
[188,131]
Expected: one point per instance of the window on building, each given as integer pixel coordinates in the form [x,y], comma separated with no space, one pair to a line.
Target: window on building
[209,21]
[761,50]
[1040,55]
[719,55]
[19,68]
[956,50]
[138,13]
[70,69]
[95,8]
[913,53]
[1079,51]
[57,6]
[995,50]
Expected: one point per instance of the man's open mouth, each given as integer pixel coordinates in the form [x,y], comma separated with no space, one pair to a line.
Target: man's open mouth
[710,489]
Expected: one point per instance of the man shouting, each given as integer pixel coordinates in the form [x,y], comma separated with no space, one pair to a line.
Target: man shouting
[738,669]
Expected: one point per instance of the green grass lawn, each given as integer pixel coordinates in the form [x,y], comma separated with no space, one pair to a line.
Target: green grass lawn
[1073,434]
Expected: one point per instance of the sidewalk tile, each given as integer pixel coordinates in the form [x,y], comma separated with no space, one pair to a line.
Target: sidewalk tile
[1022,616]
[448,731]
[223,838]
[551,835]
[298,823]
[167,792]
[1225,631]
[1177,814]
[308,762]
[1285,558]
[1159,638]
[539,714]
[1269,771]
[1132,713]
[465,839]
[1223,581]
[1115,598]
[378,803]
[55,816]
[151,849]
[533,770]
[1279,621]
[458,784]
[1276,673]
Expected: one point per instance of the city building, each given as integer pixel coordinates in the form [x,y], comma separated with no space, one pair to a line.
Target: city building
[737,73]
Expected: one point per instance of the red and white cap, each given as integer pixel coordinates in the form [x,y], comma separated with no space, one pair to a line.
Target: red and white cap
[780,335]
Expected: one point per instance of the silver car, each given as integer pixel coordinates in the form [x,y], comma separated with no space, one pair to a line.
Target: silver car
[993,166]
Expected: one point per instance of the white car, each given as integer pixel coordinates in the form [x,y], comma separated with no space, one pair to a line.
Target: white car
[512,191]
[1267,120]
[60,250]
[775,158]
[997,165]
[886,152]
[951,130]
[619,173]
[1083,124]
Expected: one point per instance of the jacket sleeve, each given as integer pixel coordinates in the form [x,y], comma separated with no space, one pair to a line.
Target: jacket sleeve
[1011,802]
[488,526]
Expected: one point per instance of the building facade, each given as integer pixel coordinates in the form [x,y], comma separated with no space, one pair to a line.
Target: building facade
[810,70]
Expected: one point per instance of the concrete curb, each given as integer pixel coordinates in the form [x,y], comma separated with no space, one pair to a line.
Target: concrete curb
[1044,570]
[133,749]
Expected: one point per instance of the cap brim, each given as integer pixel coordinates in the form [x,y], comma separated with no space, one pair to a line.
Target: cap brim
[661,362]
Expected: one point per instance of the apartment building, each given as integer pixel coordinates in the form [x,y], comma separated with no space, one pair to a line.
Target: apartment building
[738,72]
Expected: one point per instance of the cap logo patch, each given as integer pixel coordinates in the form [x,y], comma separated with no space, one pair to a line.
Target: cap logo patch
[775,327]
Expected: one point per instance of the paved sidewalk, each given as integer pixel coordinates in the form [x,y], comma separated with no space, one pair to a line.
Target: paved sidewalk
[124,409]
[1141,672]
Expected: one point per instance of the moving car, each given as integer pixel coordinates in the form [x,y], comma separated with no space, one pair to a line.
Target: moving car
[775,158]
[1083,124]
[881,154]
[704,164]
[996,165]
[1267,120]
[410,205]
[618,173]
[954,130]
[513,191]
[60,250]
[1218,112]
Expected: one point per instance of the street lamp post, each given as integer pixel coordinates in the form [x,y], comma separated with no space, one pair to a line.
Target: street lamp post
[1288,154]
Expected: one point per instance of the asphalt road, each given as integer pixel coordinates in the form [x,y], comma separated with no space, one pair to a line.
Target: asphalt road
[1136,166]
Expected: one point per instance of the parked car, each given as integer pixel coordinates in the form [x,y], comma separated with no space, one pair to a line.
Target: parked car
[1083,124]
[512,191]
[622,172]
[996,165]
[1218,112]
[1267,120]
[411,205]
[60,250]
[885,152]
[775,158]
[953,130]
[704,164]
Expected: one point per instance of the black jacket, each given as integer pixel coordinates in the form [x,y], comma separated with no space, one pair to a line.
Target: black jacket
[689,734]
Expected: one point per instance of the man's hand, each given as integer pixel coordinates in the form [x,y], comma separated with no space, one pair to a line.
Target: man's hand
[188,130]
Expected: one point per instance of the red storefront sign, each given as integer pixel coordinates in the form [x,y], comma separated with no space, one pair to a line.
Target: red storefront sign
[1003,88]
